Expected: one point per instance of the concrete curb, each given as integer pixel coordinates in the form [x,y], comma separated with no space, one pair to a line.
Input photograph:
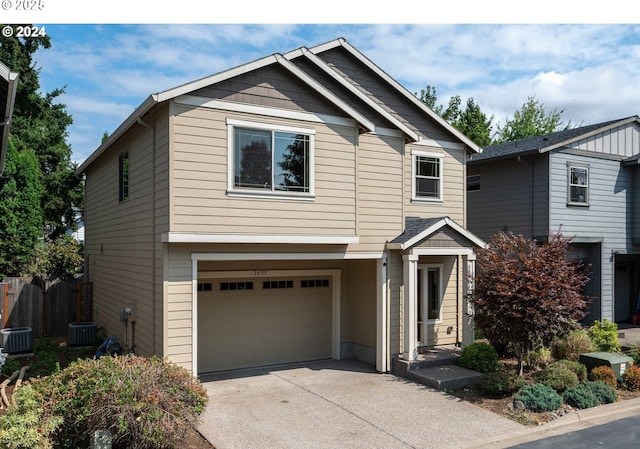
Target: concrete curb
[577,420]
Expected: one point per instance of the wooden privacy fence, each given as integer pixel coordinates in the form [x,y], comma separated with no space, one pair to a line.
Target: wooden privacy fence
[46,306]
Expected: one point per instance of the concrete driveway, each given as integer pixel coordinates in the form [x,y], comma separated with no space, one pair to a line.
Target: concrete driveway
[338,404]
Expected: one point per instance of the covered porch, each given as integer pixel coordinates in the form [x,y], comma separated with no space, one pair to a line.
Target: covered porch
[438,265]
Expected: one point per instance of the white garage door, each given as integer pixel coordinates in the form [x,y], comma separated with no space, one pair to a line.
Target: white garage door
[263,321]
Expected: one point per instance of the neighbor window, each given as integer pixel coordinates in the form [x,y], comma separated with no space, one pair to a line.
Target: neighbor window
[578,185]
[473,183]
[271,159]
[123,176]
[427,170]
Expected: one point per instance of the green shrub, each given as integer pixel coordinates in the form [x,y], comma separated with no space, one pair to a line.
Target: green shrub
[578,368]
[557,377]
[502,383]
[581,396]
[604,374]
[590,394]
[604,392]
[479,356]
[604,336]
[27,426]
[144,402]
[540,358]
[631,378]
[571,345]
[539,398]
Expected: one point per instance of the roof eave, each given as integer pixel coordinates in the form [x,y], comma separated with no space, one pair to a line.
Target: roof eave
[446,221]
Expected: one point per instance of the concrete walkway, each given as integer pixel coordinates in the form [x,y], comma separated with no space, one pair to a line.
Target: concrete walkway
[339,404]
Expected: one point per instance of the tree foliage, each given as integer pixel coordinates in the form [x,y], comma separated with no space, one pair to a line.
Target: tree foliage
[40,124]
[530,120]
[526,292]
[470,121]
[20,212]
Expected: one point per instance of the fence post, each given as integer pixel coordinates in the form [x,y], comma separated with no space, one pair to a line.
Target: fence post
[5,304]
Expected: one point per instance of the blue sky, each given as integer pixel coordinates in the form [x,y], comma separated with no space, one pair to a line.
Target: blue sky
[589,71]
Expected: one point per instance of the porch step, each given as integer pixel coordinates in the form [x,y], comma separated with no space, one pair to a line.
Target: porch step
[450,377]
[428,358]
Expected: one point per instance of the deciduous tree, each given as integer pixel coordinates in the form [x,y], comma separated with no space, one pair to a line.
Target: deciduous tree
[526,292]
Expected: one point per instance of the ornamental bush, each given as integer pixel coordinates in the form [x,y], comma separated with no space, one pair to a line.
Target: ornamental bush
[578,368]
[604,336]
[590,394]
[604,392]
[26,426]
[144,402]
[604,374]
[557,377]
[571,345]
[631,378]
[502,383]
[479,356]
[539,398]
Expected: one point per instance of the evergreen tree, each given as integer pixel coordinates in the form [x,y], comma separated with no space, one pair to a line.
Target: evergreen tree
[40,125]
[20,212]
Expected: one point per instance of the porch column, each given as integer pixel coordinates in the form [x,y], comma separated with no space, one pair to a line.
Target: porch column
[468,332]
[381,315]
[410,323]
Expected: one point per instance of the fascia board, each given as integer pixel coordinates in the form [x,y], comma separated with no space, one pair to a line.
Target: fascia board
[351,88]
[295,70]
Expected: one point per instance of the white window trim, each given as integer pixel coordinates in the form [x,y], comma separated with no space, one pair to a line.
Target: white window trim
[418,199]
[233,191]
[571,165]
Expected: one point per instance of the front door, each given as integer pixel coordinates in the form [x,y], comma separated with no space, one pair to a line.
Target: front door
[429,301]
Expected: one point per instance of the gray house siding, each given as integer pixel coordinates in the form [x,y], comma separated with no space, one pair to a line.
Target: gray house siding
[512,197]
[604,220]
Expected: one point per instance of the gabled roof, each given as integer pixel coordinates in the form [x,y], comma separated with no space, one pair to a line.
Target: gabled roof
[418,229]
[341,42]
[548,142]
[285,61]
[8,88]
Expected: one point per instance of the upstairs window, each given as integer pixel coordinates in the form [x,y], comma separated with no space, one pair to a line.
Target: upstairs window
[427,176]
[272,160]
[578,185]
[123,176]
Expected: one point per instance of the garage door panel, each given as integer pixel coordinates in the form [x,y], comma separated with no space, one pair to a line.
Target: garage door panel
[275,321]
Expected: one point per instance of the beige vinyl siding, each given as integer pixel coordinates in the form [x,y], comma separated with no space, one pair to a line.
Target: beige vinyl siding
[201,205]
[437,332]
[121,239]
[271,86]
[453,186]
[362,306]
[396,302]
[380,217]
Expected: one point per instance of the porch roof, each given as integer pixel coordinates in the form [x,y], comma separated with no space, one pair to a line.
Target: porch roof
[419,229]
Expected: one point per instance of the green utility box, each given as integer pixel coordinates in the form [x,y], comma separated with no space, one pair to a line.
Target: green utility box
[618,362]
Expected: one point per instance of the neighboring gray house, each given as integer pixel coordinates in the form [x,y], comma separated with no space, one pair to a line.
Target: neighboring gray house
[582,182]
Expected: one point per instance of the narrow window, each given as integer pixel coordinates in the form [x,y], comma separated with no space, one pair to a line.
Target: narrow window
[578,185]
[123,176]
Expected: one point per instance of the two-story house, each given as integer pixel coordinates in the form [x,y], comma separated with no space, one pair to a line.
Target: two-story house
[301,206]
[582,182]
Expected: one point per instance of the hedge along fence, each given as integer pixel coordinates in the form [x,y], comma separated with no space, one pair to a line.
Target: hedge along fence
[47,307]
